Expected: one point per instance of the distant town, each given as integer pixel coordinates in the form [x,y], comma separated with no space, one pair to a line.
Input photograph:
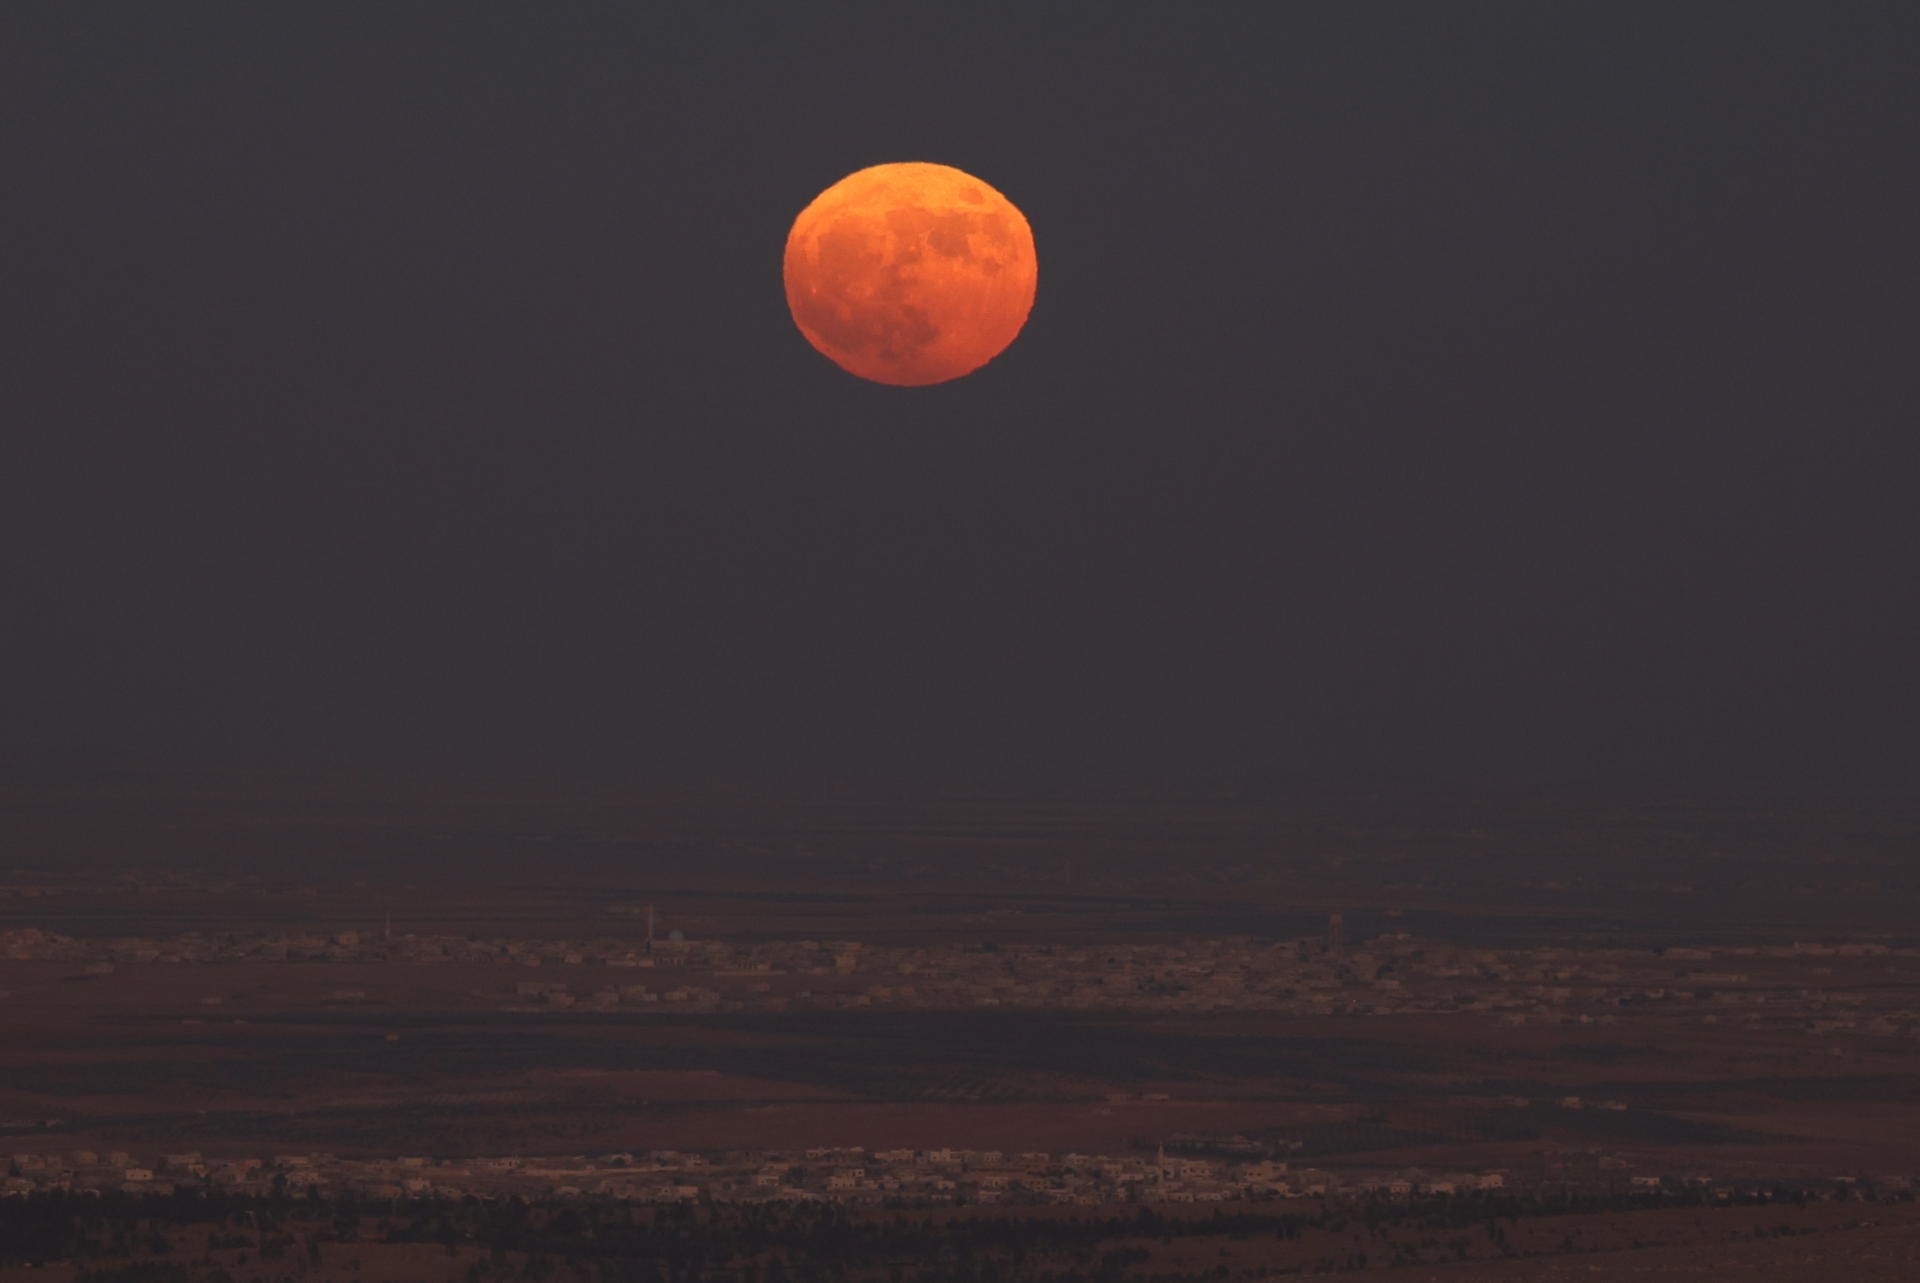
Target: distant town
[854,1175]
[1812,986]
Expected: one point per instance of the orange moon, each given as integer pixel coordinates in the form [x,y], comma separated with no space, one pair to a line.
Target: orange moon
[910,273]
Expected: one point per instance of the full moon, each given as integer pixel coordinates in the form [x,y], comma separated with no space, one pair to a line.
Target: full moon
[910,273]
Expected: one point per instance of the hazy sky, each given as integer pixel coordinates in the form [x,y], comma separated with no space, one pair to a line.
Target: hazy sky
[1450,392]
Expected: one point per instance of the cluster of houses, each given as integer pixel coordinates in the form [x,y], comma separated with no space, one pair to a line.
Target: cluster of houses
[836,1174]
[1752,986]
[852,1175]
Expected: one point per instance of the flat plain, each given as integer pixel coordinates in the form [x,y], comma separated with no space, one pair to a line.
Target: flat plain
[1715,1008]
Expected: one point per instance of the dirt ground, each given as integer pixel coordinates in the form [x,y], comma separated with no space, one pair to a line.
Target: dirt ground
[370,1058]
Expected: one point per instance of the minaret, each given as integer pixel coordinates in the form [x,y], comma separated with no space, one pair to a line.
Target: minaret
[649,928]
[1336,935]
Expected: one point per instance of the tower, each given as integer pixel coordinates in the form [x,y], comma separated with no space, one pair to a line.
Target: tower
[1336,935]
[649,928]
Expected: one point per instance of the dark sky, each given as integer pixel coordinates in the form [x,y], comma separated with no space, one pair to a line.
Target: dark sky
[1464,393]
